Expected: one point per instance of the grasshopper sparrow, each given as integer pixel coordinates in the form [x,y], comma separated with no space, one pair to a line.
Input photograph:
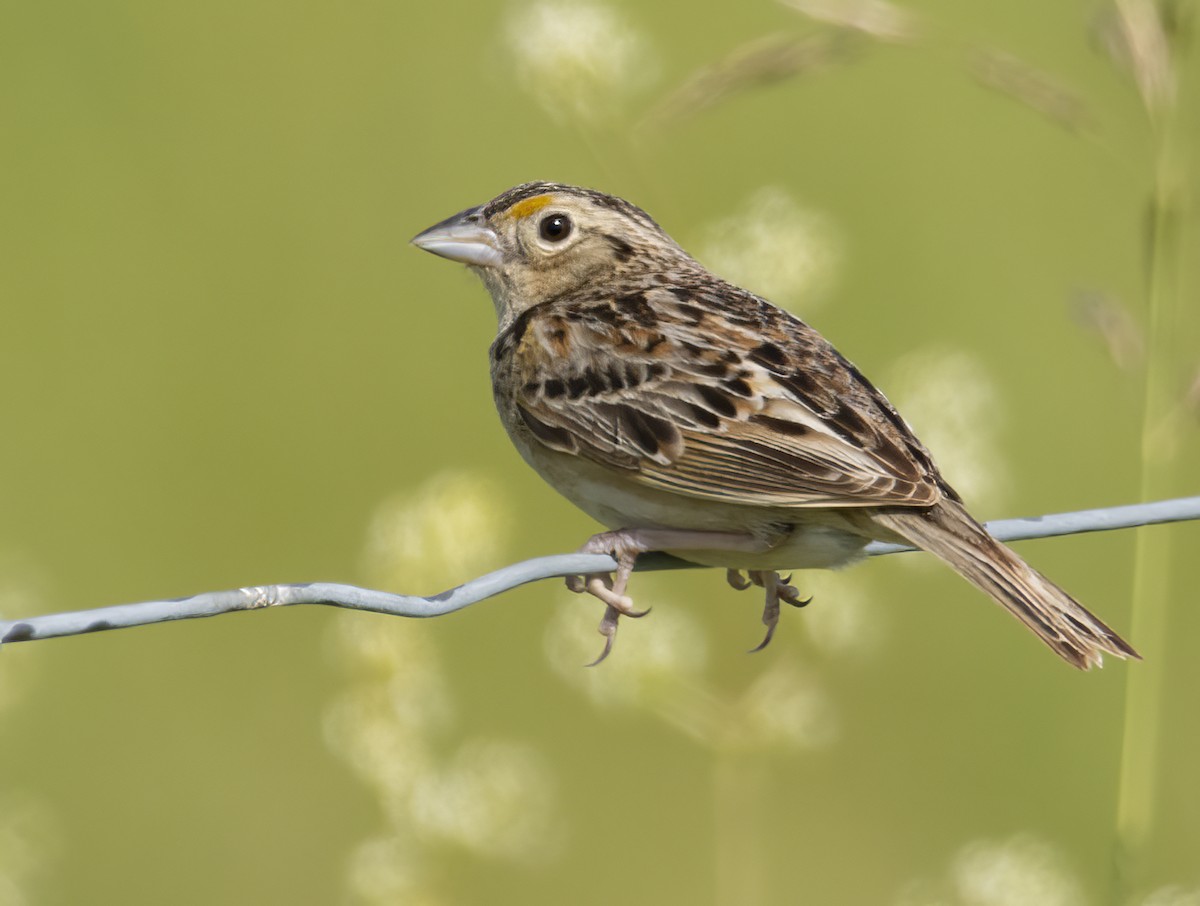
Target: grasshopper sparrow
[693,417]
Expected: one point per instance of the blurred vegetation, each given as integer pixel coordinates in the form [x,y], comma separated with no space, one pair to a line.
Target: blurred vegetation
[222,366]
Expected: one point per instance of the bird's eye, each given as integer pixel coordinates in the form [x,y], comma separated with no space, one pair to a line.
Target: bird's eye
[555,227]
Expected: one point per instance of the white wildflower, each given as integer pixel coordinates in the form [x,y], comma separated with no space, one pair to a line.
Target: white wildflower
[578,59]
[774,247]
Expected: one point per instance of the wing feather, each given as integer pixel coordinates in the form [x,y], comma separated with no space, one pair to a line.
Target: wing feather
[713,394]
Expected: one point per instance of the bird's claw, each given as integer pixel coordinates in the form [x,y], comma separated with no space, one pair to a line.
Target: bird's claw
[771,621]
[736,580]
[602,587]
[778,588]
[623,547]
[789,594]
[608,629]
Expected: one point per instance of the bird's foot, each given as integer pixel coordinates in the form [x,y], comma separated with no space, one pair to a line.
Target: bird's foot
[623,546]
[778,588]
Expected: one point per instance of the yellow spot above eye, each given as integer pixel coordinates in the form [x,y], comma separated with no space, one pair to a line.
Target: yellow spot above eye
[529,206]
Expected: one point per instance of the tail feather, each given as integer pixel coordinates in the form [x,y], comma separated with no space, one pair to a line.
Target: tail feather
[949,532]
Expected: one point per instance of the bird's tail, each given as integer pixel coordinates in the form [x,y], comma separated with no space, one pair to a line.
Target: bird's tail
[948,531]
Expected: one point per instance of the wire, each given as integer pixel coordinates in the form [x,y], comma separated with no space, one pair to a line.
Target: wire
[208,604]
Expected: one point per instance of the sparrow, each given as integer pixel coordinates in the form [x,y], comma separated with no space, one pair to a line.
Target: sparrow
[691,416]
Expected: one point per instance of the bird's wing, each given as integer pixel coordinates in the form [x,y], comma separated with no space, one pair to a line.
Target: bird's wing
[715,394]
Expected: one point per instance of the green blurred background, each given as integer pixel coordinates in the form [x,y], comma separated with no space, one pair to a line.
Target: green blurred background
[223,366]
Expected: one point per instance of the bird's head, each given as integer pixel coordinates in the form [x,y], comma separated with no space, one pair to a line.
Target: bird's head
[541,241]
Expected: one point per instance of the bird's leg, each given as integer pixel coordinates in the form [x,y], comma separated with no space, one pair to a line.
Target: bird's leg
[778,589]
[624,546]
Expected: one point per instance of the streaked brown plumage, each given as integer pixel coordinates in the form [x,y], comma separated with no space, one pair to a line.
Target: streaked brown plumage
[692,416]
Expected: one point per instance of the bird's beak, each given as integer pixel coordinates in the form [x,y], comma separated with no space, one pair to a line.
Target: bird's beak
[465,237]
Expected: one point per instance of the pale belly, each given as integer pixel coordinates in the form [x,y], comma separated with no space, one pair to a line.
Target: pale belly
[791,538]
